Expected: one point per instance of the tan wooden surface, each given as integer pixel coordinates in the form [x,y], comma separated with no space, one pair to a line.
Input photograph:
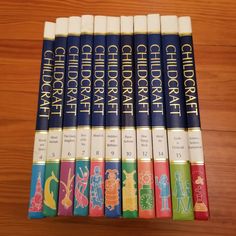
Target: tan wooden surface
[21,28]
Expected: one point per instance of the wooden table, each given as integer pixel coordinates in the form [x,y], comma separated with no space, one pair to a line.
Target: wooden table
[21,27]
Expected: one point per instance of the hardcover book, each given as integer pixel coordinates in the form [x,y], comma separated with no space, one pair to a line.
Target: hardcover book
[158,124]
[112,121]
[198,172]
[67,168]
[181,187]
[96,201]
[52,169]
[41,133]
[144,135]
[81,194]
[128,142]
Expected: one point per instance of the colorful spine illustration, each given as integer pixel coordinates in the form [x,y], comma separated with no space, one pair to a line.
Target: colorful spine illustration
[96,201]
[81,197]
[112,121]
[40,140]
[144,135]
[198,172]
[182,204]
[52,169]
[66,187]
[128,141]
[157,109]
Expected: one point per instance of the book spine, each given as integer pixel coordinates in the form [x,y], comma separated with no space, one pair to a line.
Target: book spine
[40,140]
[198,172]
[157,108]
[176,121]
[96,201]
[67,167]
[128,141]
[81,197]
[112,121]
[52,169]
[144,135]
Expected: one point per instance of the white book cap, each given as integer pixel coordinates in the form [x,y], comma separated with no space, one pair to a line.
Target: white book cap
[154,24]
[49,30]
[140,24]
[100,24]
[74,25]
[127,24]
[113,24]
[185,26]
[169,25]
[62,26]
[87,24]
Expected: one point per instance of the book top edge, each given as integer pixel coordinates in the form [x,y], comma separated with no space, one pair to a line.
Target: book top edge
[74,25]
[185,26]
[154,24]
[87,24]
[62,26]
[113,24]
[126,24]
[49,30]
[169,24]
[100,24]
[140,24]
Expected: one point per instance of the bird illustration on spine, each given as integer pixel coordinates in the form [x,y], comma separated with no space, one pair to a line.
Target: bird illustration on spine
[81,185]
[36,204]
[112,186]
[96,188]
[48,195]
[164,186]
[66,201]
[129,190]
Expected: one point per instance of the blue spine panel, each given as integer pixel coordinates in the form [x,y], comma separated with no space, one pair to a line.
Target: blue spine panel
[113,189]
[45,86]
[98,98]
[71,81]
[127,84]
[156,81]
[174,90]
[141,80]
[85,80]
[113,81]
[190,82]
[56,113]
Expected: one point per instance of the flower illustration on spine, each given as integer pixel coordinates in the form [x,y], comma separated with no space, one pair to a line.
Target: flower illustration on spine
[66,201]
[36,203]
[80,187]
[96,188]
[146,193]
[112,186]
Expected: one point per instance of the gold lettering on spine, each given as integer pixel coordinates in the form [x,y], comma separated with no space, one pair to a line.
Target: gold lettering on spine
[72,83]
[99,74]
[112,84]
[45,89]
[59,68]
[127,84]
[85,83]
[156,83]
[189,79]
[142,79]
[173,84]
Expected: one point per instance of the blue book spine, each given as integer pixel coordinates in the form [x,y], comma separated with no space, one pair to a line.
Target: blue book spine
[52,170]
[67,168]
[96,203]
[40,144]
[81,197]
[112,122]
[157,113]
[144,135]
[176,121]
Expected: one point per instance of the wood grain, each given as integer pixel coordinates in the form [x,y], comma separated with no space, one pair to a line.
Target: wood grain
[21,27]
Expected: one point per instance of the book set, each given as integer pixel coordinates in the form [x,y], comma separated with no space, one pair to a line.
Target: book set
[118,129]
